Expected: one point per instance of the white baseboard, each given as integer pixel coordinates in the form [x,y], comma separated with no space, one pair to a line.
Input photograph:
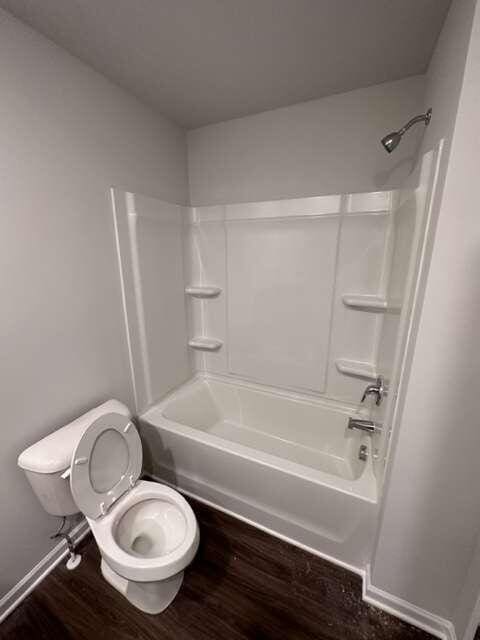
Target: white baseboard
[27,584]
[439,627]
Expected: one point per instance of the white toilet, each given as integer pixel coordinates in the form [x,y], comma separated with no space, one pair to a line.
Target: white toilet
[146,532]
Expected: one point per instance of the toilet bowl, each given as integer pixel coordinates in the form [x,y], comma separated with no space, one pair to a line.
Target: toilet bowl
[146,532]
[146,540]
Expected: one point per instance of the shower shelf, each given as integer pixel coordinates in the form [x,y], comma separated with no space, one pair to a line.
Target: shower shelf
[205,344]
[203,291]
[365,302]
[357,369]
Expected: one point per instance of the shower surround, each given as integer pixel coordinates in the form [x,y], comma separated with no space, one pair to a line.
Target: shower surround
[253,329]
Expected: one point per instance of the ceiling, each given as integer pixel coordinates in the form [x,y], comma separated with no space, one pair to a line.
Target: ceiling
[204,61]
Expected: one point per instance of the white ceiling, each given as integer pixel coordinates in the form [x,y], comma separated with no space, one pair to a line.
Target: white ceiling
[203,61]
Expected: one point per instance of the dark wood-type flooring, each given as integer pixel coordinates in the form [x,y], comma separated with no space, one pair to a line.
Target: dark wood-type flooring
[242,584]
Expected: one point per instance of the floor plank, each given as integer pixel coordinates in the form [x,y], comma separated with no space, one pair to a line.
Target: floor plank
[243,584]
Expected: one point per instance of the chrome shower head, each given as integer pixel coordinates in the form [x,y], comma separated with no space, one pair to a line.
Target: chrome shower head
[392,139]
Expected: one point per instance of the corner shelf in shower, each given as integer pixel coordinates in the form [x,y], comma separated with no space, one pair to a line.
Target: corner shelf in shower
[357,369]
[205,344]
[365,302]
[203,291]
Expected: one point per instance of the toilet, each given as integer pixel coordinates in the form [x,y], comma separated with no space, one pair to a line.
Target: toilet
[146,532]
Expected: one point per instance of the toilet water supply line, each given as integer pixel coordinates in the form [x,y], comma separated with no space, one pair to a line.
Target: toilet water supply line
[74,559]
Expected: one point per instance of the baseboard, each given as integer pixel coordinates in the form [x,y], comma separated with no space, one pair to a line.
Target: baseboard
[407,611]
[27,584]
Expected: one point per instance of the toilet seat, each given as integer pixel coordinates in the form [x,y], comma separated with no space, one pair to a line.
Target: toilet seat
[141,568]
[105,468]
[106,463]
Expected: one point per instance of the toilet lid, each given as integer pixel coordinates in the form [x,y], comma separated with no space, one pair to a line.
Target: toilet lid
[107,461]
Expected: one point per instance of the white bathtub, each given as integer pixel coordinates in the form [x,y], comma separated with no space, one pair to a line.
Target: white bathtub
[284,462]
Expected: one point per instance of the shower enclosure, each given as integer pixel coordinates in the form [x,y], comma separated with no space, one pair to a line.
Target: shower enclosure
[253,330]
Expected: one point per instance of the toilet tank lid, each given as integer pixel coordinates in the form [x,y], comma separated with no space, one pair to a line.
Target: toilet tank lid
[54,452]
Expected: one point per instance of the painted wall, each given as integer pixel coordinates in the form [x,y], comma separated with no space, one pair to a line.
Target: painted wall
[68,135]
[431,514]
[319,147]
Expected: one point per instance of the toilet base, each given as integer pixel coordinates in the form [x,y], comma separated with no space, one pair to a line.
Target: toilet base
[150,597]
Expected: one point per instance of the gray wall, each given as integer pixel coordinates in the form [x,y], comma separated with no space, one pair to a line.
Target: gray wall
[331,145]
[431,515]
[67,136]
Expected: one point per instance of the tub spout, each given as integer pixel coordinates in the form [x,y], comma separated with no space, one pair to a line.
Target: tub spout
[364,425]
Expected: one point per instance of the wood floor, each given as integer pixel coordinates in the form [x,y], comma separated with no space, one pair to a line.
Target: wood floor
[242,584]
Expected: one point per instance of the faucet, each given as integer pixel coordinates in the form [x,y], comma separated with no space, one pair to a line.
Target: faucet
[364,425]
[378,388]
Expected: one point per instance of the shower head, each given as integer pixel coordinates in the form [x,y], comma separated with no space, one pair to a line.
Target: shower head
[392,139]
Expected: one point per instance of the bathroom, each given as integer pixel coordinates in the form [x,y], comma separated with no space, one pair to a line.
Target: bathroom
[217,237]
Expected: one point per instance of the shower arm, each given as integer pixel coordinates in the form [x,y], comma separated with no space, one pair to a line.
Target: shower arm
[425,117]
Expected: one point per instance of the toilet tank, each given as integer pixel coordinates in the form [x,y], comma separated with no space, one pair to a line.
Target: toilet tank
[47,462]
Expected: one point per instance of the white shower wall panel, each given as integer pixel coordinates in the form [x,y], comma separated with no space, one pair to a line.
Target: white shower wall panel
[207,259]
[361,269]
[150,241]
[280,289]
[283,267]
[159,242]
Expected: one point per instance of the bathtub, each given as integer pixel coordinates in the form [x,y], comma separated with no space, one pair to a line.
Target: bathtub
[284,462]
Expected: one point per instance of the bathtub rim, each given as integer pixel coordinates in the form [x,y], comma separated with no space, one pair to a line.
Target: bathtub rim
[362,488]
